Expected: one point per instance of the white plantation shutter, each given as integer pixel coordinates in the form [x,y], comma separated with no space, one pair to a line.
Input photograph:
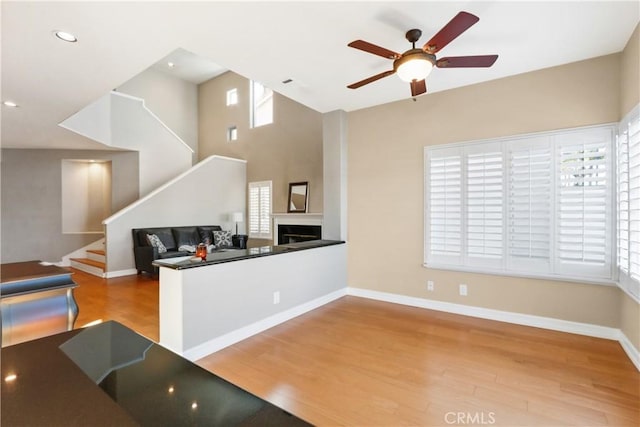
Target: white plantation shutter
[529,212]
[443,203]
[260,210]
[628,202]
[583,208]
[484,207]
[634,200]
[539,205]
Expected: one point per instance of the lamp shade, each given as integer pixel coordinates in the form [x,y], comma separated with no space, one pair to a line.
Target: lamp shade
[237,217]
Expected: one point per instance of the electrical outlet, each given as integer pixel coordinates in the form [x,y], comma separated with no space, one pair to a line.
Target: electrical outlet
[430,285]
[276,297]
[463,290]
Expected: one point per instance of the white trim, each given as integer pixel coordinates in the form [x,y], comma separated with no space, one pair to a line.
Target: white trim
[135,98]
[245,332]
[83,232]
[120,273]
[630,349]
[580,328]
[626,291]
[549,276]
[165,185]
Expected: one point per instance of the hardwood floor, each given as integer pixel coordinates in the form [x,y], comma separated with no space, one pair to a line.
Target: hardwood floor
[358,362]
[130,300]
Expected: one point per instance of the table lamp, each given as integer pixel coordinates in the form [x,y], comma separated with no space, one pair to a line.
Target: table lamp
[237,217]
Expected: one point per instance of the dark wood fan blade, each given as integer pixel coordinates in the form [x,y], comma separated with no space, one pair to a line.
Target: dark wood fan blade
[418,87]
[370,79]
[458,25]
[372,48]
[466,61]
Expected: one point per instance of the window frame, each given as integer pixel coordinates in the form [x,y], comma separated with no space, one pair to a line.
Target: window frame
[232,97]
[255,106]
[505,265]
[624,168]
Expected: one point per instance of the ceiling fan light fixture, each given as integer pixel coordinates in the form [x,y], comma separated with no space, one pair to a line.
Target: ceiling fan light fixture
[414,67]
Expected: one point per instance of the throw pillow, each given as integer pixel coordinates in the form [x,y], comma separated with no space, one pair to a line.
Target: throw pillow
[156,243]
[222,239]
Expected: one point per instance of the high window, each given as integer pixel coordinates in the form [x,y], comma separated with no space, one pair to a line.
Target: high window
[261,105]
[232,97]
[232,133]
[628,203]
[537,205]
[260,203]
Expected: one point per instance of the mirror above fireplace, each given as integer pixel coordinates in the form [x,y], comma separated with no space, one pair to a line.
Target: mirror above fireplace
[298,196]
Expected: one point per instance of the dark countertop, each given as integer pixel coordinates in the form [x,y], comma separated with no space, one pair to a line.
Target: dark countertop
[107,375]
[230,255]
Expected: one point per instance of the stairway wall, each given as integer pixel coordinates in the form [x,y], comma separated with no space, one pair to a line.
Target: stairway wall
[206,194]
[162,154]
[173,100]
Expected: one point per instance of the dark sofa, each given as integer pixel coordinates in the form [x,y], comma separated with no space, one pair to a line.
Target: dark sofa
[172,238]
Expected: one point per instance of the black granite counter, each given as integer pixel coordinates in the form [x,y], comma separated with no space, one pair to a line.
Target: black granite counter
[107,375]
[230,255]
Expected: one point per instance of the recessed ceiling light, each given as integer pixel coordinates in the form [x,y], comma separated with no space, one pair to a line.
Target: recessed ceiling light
[171,64]
[10,104]
[67,37]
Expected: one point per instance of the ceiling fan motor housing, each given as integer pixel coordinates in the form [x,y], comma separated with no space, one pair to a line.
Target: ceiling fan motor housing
[413,54]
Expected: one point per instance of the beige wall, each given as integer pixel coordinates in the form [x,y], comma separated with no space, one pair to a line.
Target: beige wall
[385,185]
[629,98]
[174,101]
[289,150]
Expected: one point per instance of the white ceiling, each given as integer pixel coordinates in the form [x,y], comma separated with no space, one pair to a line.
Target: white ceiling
[273,41]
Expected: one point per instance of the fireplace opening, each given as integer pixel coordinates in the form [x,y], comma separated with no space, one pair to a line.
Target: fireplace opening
[298,233]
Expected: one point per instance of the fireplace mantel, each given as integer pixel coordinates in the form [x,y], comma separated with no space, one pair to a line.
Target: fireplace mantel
[294,219]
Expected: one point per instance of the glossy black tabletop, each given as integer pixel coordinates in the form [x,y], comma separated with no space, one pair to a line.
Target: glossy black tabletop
[109,375]
[230,255]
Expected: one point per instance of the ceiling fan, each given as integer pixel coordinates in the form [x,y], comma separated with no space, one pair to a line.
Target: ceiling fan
[415,64]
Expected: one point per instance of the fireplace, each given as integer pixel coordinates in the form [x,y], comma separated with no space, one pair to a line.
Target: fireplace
[298,227]
[298,233]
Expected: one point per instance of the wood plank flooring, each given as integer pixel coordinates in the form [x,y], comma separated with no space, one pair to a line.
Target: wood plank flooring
[130,300]
[357,362]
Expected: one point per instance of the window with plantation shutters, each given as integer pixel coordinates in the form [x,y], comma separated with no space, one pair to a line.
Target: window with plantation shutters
[444,197]
[260,210]
[529,211]
[538,205]
[583,206]
[628,203]
[484,205]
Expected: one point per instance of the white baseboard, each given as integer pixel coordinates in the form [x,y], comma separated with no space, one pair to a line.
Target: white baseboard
[120,273]
[630,349]
[508,317]
[245,332]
